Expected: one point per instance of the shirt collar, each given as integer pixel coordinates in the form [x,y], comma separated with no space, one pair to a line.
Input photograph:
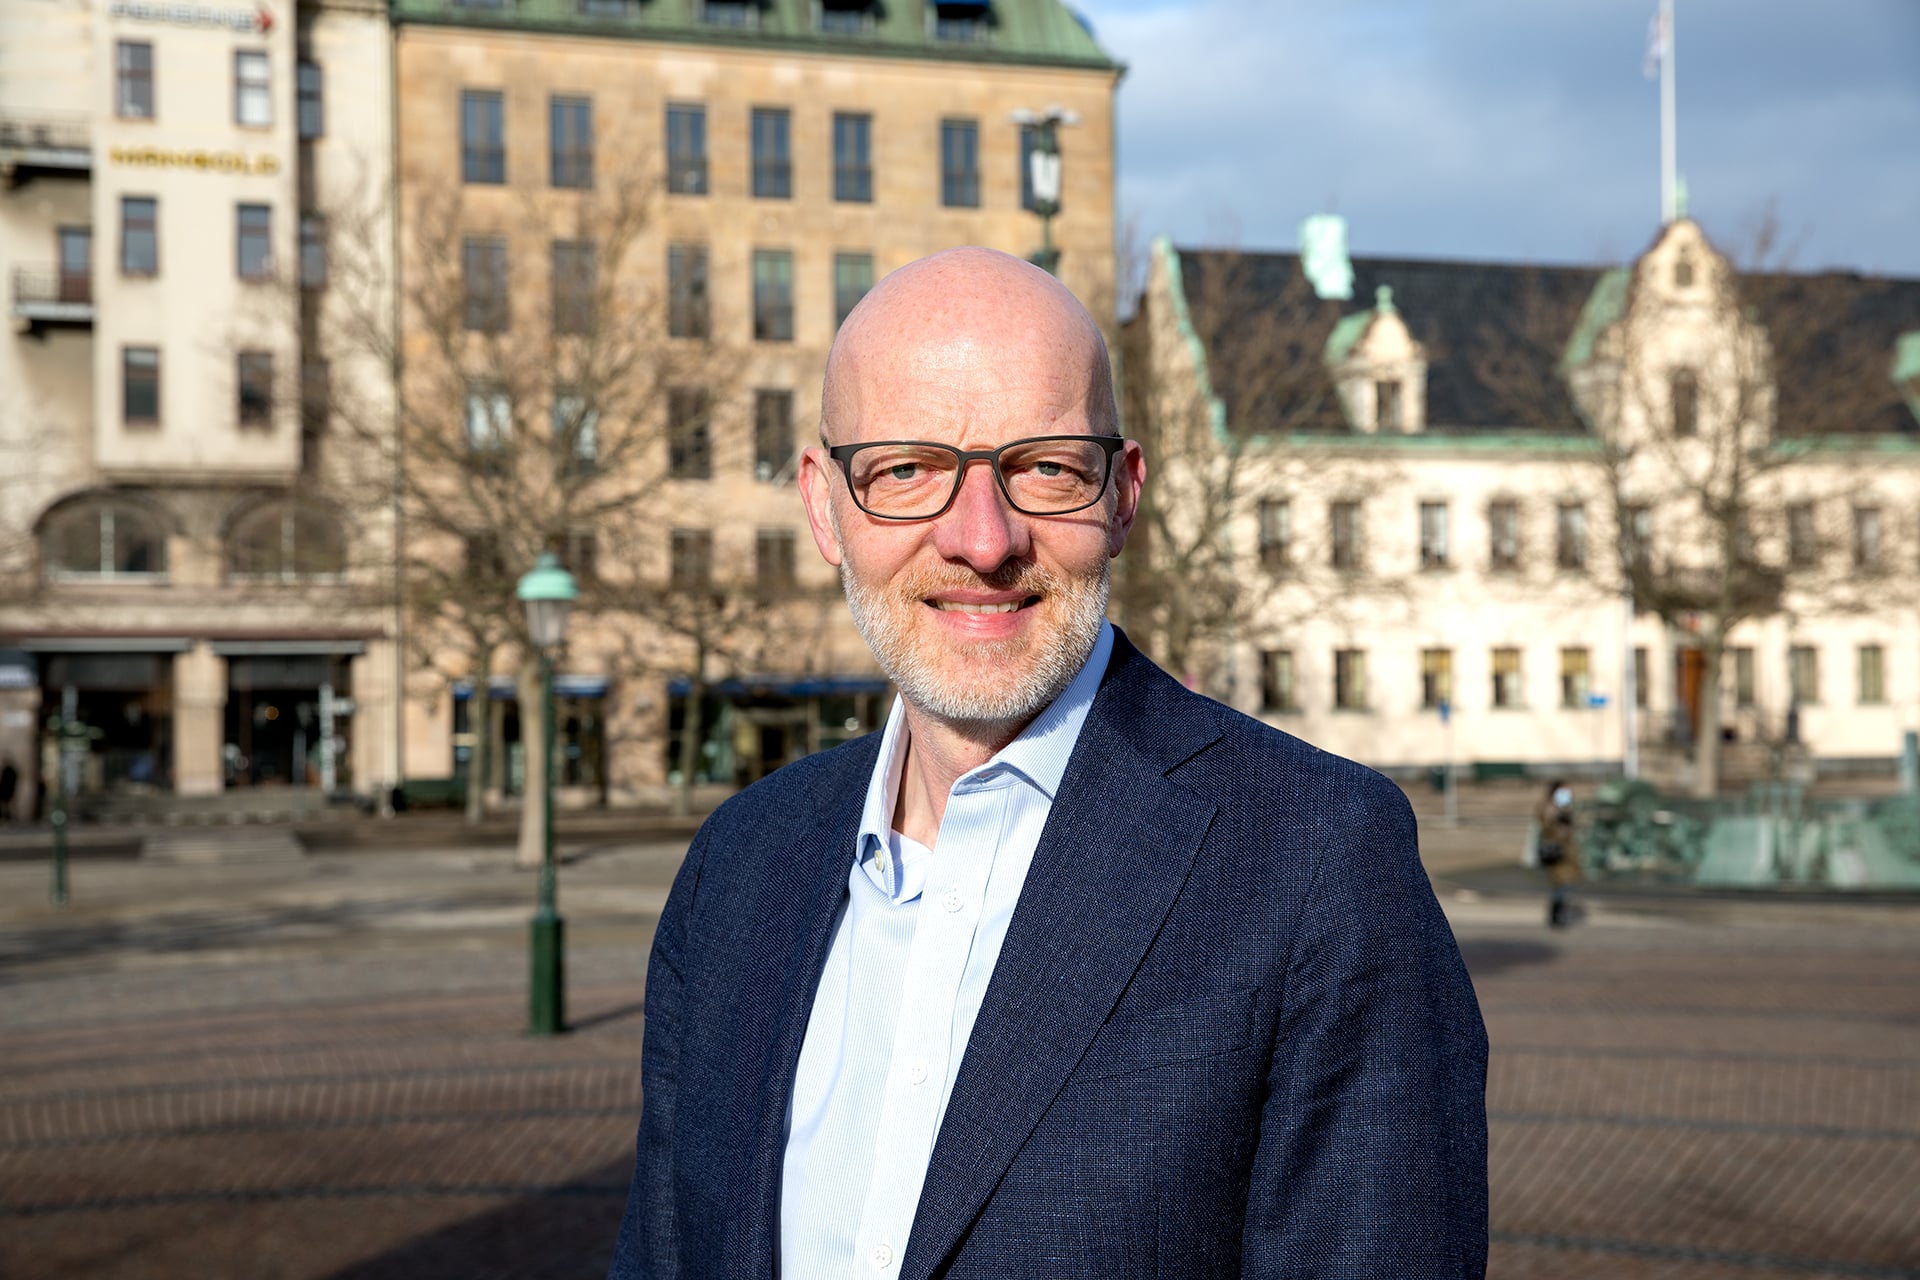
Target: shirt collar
[1038,757]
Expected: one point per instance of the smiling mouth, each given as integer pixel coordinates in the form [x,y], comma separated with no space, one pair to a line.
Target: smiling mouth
[1006,606]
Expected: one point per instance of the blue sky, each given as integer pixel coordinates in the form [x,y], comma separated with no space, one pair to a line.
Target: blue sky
[1519,129]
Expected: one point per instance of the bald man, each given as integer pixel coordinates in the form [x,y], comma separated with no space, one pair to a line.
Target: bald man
[1069,971]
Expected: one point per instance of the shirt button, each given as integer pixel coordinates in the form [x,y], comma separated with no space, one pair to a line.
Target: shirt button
[952,900]
[917,1073]
[881,1257]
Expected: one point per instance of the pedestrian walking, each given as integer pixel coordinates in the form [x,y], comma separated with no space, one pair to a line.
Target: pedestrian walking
[1556,850]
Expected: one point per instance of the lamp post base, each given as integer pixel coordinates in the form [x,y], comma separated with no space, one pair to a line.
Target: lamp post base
[547,1006]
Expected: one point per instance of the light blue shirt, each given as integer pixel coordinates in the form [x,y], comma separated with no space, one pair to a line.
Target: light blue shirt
[909,965]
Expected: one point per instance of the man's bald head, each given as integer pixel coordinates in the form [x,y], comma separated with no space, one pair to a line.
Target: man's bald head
[959,306]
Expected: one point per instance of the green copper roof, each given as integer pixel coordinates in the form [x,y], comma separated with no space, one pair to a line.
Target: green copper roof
[1024,31]
[1606,304]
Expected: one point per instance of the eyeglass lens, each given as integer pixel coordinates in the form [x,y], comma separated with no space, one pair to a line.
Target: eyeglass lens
[1041,477]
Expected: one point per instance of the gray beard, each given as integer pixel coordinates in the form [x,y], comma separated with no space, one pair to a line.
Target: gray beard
[963,693]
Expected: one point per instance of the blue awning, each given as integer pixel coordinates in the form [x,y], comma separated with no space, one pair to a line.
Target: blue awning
[784,686]
[507,689]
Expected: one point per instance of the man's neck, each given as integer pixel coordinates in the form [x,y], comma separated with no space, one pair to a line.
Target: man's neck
[937,754]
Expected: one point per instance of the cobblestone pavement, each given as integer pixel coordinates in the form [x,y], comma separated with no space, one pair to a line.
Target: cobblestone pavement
[317,1070]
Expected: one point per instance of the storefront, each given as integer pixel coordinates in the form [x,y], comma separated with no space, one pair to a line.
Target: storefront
[750,727]
[580,719]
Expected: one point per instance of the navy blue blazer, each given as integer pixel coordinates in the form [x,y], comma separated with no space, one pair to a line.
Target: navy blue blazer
[1229,1031]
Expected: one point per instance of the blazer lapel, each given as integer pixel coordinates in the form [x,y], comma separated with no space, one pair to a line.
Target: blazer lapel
[1115,851]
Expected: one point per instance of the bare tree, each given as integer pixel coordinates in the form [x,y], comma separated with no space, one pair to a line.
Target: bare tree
[528,347]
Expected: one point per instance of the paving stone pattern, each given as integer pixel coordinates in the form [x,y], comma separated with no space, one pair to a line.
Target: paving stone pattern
[319,1073]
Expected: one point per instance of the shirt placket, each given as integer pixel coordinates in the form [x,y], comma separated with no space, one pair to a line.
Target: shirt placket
[923,1043]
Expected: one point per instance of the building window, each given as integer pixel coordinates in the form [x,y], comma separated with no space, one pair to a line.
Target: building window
[313,250]
[579,551]
[773,559]
[253,241]
[284,542]
[852,157]
[687,315]
[256,388]
[1433,535]
[139,236]
[1503,536]
[686,149]
[1743,676]
[1508,691]
[960,164]
[1570,536]
[483,273]
[1347,548]
[772,295]
[1872,663]
[772,434]
[98,540]
[961,23]
[483,136]
[140,385]
[1639,537]
[689,440]
[1436,678]
[772,154]
[1641,678]
[252,89]
[576,429]
[1803,674]
[1387,414]
[576,280]
[691,557]
[846,17]
[570,142]
[133,85]
[310,114]
[1276,533]
[489,419]
[1276,680]
[316,396]
[852,277]
[1683,270]
[1866,539]
[1349,679]
[1683,387]
[730,13]
[1576,678]
[1803,537]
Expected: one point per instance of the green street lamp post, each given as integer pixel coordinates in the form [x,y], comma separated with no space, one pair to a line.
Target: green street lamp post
[548,592]
[70,738]
[1043,175]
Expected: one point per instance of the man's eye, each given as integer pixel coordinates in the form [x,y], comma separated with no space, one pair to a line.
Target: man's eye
[902,470]
[1049,469]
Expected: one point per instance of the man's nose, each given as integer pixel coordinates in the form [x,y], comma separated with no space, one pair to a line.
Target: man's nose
[980,527]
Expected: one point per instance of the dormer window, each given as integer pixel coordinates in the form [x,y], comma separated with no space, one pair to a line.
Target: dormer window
[1684,390]
[1683,270]
[962,23]
[1387,405]
[846,17]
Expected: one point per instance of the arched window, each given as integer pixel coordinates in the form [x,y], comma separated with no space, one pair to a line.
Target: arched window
[282,541]
[101,538]
[1685,391]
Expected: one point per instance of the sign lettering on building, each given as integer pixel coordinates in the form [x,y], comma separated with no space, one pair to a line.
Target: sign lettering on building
[260,163]
[194,15]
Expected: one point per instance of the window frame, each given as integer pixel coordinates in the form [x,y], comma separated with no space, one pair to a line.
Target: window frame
[128,79]
[1507,670]
[689,558]
[127,416]
[689,434]
[776,561]
[1346,536]
[844,263]
[1870,678]
[260,235]
[1279,682]
[773,420]
[253,387]
[1389,404]
[959,182]
[1350,691]
[1274,532]
[309,100]
[1436,677]
[151,231]
[1576,677]
[772,299]
[689,290]
[1436,536]
[256,89]
[686,167]
[483,262]
[1503,552]
[1570,536]
[573,284]
[1803,675]
[1683,402]
[313,250]
[570,142]
[853,157]
[483,137]
[574,415]
[770,131]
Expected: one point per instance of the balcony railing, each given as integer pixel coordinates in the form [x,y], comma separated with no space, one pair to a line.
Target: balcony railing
[47,297]
[39,145]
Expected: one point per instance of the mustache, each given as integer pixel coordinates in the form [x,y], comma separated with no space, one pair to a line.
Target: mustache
[1024,576]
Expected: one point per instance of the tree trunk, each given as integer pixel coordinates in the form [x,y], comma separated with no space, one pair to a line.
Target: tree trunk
[691,730]
[480,722]
[538,753]
[1706,742]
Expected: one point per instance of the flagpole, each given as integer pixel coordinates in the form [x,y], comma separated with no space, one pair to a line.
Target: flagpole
[1669,163]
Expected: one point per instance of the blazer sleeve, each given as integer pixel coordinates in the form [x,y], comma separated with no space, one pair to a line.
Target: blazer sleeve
[1372,1157]
[646,1247]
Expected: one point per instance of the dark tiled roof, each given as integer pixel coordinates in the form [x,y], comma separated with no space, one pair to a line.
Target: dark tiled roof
[1495,332]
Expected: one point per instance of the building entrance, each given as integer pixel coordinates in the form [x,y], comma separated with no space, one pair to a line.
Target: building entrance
[287,722]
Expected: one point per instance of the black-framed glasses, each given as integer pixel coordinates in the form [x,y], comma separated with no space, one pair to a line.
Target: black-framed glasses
[919,479]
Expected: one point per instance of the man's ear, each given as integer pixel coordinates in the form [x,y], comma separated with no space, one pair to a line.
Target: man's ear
[816,494]
[1129,478]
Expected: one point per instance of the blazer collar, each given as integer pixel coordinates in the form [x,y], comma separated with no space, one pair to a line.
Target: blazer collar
[1112,858]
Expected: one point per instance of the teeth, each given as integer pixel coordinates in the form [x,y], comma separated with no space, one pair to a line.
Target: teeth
[954,606]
